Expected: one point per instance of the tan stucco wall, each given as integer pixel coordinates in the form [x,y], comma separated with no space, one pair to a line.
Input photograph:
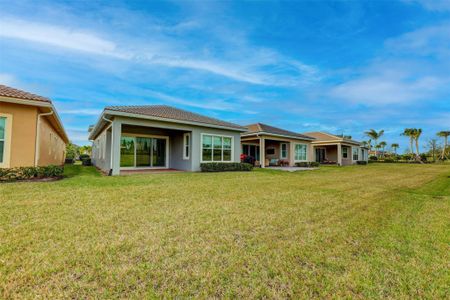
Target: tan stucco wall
[23,133]
[51,147]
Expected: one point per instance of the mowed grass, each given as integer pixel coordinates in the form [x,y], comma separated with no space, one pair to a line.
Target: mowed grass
[377,231]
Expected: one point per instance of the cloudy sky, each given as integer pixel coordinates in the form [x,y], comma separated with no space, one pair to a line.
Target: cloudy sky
[341,67]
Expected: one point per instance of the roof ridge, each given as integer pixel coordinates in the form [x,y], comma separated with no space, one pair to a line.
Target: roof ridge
[7,91]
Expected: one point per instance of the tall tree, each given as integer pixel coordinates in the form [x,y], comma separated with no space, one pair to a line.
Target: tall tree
[416,132]
[445,135]
[409,133]
[395,146]
[433,145]
[374,135]
[383,145]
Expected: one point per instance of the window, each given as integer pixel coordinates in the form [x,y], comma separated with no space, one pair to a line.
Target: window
[300,152]
[283,151]
[5,139]
[143,151]
[344,152]
[186,145]
[251,150]
[2,138]
[216,148]
[355,153]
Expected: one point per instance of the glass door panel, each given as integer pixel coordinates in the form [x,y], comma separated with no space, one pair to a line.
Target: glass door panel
[143,151]
[127,151]
[159,153]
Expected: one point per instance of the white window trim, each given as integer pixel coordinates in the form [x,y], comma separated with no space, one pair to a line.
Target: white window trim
[187,145]
[346,152]
[281,151]
[7,141]
[219,135]
[307,150]
[150,136]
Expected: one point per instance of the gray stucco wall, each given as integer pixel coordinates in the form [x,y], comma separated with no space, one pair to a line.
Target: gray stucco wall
[175,132]
[103,163]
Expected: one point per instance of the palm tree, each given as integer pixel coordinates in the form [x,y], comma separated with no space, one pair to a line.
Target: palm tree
[383,145]
[408,132]
[395,146]
[416,135]
[445,135]
[374,135]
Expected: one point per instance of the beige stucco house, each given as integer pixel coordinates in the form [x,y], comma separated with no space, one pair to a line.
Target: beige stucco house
[31,133]
[270,145]
[333,149]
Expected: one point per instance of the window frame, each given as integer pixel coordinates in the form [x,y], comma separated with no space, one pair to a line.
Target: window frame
[187,145]
[6,159]
[355,151]
[295,152]
[212,135]
[285,156]
[344,152]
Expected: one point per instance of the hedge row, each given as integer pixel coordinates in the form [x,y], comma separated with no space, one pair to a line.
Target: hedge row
[225,167]
[24,173]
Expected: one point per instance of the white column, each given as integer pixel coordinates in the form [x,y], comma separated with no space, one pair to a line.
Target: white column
[339,154]
[115,150]
[262,152]
[291,154]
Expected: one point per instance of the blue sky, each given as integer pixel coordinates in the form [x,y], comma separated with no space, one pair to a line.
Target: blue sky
[341,67]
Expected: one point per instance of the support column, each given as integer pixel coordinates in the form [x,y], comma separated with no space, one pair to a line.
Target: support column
[339,155]
[115,149]
[262,152]
[291,154]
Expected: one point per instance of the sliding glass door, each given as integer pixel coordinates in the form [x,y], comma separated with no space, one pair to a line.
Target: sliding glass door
[143,152]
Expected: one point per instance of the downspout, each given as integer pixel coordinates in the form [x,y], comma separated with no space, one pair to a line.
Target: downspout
[38,135]
[112,145]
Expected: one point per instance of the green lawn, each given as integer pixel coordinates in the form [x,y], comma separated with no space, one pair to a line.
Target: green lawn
[377,231]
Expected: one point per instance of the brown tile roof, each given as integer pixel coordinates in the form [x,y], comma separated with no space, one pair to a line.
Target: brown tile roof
[6,91]
[169,112]
[324,136]
[260,127]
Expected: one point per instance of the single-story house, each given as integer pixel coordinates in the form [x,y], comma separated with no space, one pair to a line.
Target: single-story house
[275,146]
[31,133]
[161,137]
[330,148]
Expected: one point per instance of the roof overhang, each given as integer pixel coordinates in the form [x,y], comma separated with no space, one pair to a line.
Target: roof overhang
[334,142]
[113,113]
[46,107]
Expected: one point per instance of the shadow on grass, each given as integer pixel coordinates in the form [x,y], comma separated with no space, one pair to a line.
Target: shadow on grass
[71,171]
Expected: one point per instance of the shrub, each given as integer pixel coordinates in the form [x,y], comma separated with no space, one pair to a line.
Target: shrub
[24,173]
[69,161]
[225,167]
[86,162]
[373,157]
[388,160]
[361,162]
[84,156]
[314,164]
[248,159]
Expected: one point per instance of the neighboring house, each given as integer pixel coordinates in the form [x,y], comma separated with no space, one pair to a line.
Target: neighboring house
[161,137]
[329,148]
[274,146]
[31,133]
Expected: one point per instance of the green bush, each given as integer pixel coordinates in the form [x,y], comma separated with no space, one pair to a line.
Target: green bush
[225,167]
[314,164]
[373,157]
[84,156]
[361,162]
[24,173]
[86,162]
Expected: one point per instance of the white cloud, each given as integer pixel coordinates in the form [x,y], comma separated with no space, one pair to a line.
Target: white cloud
[8,79]
[433,5]
[68,38]
[87,111]
[251,65]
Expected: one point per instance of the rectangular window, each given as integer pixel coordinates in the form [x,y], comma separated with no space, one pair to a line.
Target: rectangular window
[283,151]
[216,148]
[355,153]
[2,138]
[344,152]
[143,152]
[186,145]
[300,152]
